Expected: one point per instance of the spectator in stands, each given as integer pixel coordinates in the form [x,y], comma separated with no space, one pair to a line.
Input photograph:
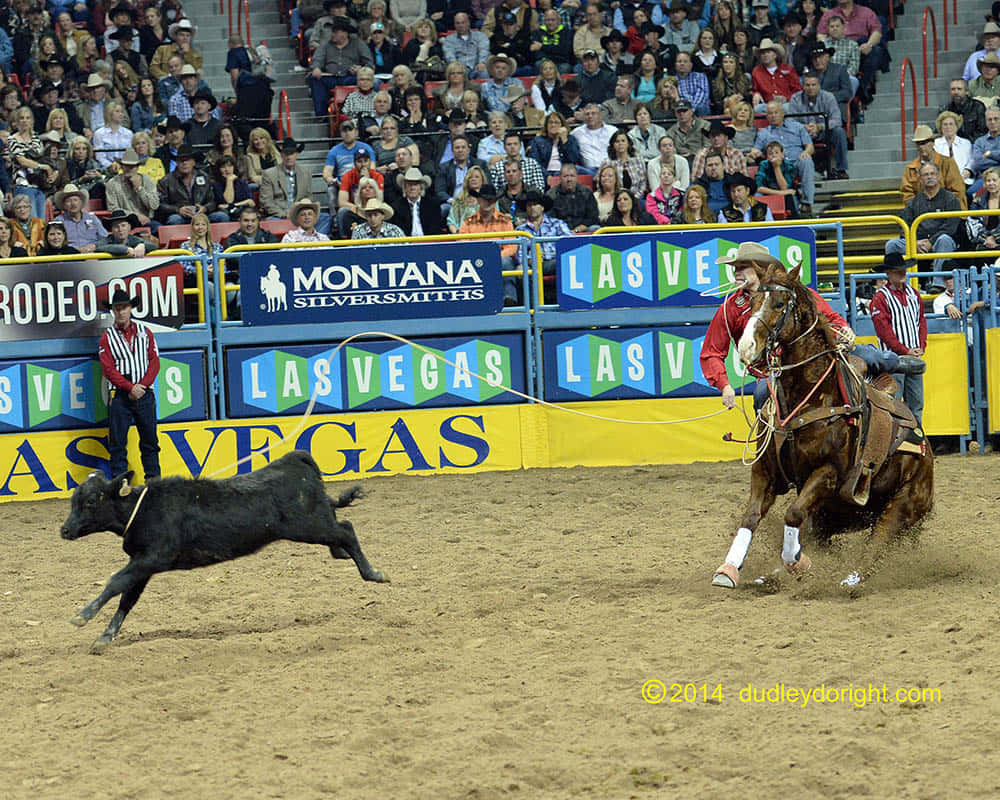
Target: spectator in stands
[9,248]
[571,104]
[391,141]
[55,242]
[182,104]
[28,230]
[531,170]
[666,54]
[111,139]
[798,147]
[180,33]
[616,59]
[679,31]
[402,79]
[950,178]
[68,35]
[631,168]
[170,84]
[450,176]
[83,229]
[526,16]
[501,68]
[724,23]
[778,175]
[491,148]
[983,231]
[416,215]
[152,34]
[645,134]
[121,243]
[361,102]
[511,200]
[945,303]
[27,36]
[713,181]
[696,210]
[469,47]
[82,167]
[173,135]
[23,151]
[761,26]
[515,41]
[588,37]
[305,216]
[347,200]
[538,222]
[607,184]
[52,173]
[664,107]
[991,44]
[519,114]
[132,192]
[377,13]
[342,157]
[47,96]
[553,41]
[232,193]
[376,225]
[842,51]
[404,160]
[647,77]
[773,80]
[628,212]
[336,63]
[797,45]
[371,126]
[186,192]
[573,203]
[666,203]
[833,77]
[719,136]
[202,128]
[487,219]
[823,123]
[441,147]
[596,83]
[227,143]
[554,147]
[901,326]
[742,206]
[705,57]
[386,56]
[464,204]
[668,158]
[147,106]
[593,138]
[91,108]
[449,95]
[416,123]
[621,106]
[125,37]
[286,183]
[249,231]
[811,12]
[861,25]
[933,235]
[970,110]
[690,134]
[986,88]
[423,54]
[122,15]
[149,165]
[86,57]
[730,81]
[950,144]
[692,86]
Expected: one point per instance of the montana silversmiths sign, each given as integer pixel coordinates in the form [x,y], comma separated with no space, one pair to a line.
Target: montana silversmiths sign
[341,284]
[62,299]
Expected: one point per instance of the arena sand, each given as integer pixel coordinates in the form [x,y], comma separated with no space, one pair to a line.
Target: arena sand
[508,655]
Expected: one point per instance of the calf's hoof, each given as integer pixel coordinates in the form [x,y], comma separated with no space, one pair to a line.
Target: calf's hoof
[380,577]
[79,620]
[726,576]
[101,643]
[800,567]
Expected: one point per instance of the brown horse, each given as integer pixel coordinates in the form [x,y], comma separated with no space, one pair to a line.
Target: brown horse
[812,438]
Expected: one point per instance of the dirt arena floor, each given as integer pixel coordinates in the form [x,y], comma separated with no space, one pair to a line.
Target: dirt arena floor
[508,656]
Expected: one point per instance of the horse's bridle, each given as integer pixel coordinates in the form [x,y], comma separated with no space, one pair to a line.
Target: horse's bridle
[772,346]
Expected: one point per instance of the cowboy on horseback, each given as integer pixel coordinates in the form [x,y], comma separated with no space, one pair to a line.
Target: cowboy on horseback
[731,319]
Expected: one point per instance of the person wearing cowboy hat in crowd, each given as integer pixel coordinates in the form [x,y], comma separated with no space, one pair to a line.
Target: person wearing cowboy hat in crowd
[664,52]
[719,137]
[185,192]
[91,108]
[202,127]
[287,183]
[122,16]
[181,33]
[537,222]
[616,58]
[823,122]
[47,95]
[182,103]
[514,152]
[798,47]
[32,28]
[170,84]
[521,114]
[416,214]
[304,215]
[121,243]
[514,40]
[525,15]
[132,192]
[798,146]
[863,26]
[173,134]
[761,26]
[588,36]
[501,68]
[991,44]
[742,207]
[336,63]
[83,229]
[986,88]
[127,39]
[130,362]
[949,176]
[833,77]
[596,83]
[680,31]
[375,226]
[489,220]
[773,80]
[621,106]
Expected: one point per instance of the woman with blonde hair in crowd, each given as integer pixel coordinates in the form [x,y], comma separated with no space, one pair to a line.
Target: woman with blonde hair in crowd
[456,84]
[115,137]
[86,56]
[200,243]
[24,148]
[745,132]
[422,47]
[950,144]
[46,49]
[983,231]
[607,184]
[696,208]
[28,230]
[546,92]
[83,168]
[470,105]
[465,205]
[9,247]
[126,82]
[368,189]
[261,155]
[667,97]
[402,79]
[58,123]
[730,81]
[149,165]
[666,204]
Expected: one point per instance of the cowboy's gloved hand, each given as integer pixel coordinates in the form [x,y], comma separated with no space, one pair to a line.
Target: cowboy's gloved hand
[846,336]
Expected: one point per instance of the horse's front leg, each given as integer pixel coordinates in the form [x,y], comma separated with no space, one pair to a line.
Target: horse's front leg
[762,494]
[818,486]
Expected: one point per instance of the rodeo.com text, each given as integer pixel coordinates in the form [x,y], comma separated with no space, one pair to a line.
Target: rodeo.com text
[655,692]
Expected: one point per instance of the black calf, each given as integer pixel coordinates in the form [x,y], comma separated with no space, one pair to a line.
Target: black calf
[182,524]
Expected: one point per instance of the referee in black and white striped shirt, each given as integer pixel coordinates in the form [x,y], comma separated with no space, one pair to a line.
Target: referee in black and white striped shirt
[130,362]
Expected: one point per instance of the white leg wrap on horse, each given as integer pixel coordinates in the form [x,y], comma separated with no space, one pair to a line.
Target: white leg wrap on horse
[738,549]
[790,548]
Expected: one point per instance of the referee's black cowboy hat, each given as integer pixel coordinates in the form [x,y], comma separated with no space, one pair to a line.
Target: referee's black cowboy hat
[120,298]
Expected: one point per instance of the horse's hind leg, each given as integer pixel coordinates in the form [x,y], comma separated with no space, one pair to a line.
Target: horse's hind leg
[762,494]
[818,486]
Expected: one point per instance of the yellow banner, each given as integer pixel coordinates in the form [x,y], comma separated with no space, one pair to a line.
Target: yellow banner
[993,377]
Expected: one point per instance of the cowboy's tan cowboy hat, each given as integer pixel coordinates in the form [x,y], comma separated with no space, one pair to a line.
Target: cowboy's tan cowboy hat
[750,251]
[922,133]
[990,60]
[374,204]
[413,175]
[501,57]
[514,93]
[182,25]
[95,80]
[767,44]
[293,212]
[69,190]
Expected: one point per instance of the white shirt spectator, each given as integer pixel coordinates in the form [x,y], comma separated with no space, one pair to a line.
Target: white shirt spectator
[594,143]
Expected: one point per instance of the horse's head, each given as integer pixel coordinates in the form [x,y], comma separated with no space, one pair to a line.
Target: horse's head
[780,311]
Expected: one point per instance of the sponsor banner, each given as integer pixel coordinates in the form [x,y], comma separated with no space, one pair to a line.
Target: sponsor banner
[374,375]
[341,284]
[346,447]
[667,268]
[62,299]
[631,363]
[57,393]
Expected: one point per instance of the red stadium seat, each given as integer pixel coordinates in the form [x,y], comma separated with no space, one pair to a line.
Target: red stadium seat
[173,233]
[220,230]
[553,180]
[528,81]
[430,86]
[279,227]
[586,180]
[776,203]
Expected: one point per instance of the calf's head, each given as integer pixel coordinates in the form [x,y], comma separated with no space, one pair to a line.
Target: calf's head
[97,505]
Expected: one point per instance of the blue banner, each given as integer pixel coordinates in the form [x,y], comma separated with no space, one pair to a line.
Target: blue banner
[369,376]
[61,393]
[342,284]
[631,363]
[663,268]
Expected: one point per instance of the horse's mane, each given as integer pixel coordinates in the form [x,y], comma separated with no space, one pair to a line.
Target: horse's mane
[782,277]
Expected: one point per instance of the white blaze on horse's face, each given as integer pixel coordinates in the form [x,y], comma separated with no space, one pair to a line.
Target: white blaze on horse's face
[747,346]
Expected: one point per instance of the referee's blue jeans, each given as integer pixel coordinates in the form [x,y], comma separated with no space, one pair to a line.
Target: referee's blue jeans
[122,413]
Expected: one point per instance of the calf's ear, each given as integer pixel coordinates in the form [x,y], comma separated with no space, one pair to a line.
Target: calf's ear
[120,483]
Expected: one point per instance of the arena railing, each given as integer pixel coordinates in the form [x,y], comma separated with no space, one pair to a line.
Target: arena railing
[913,229]
[902,100]
[929,11]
